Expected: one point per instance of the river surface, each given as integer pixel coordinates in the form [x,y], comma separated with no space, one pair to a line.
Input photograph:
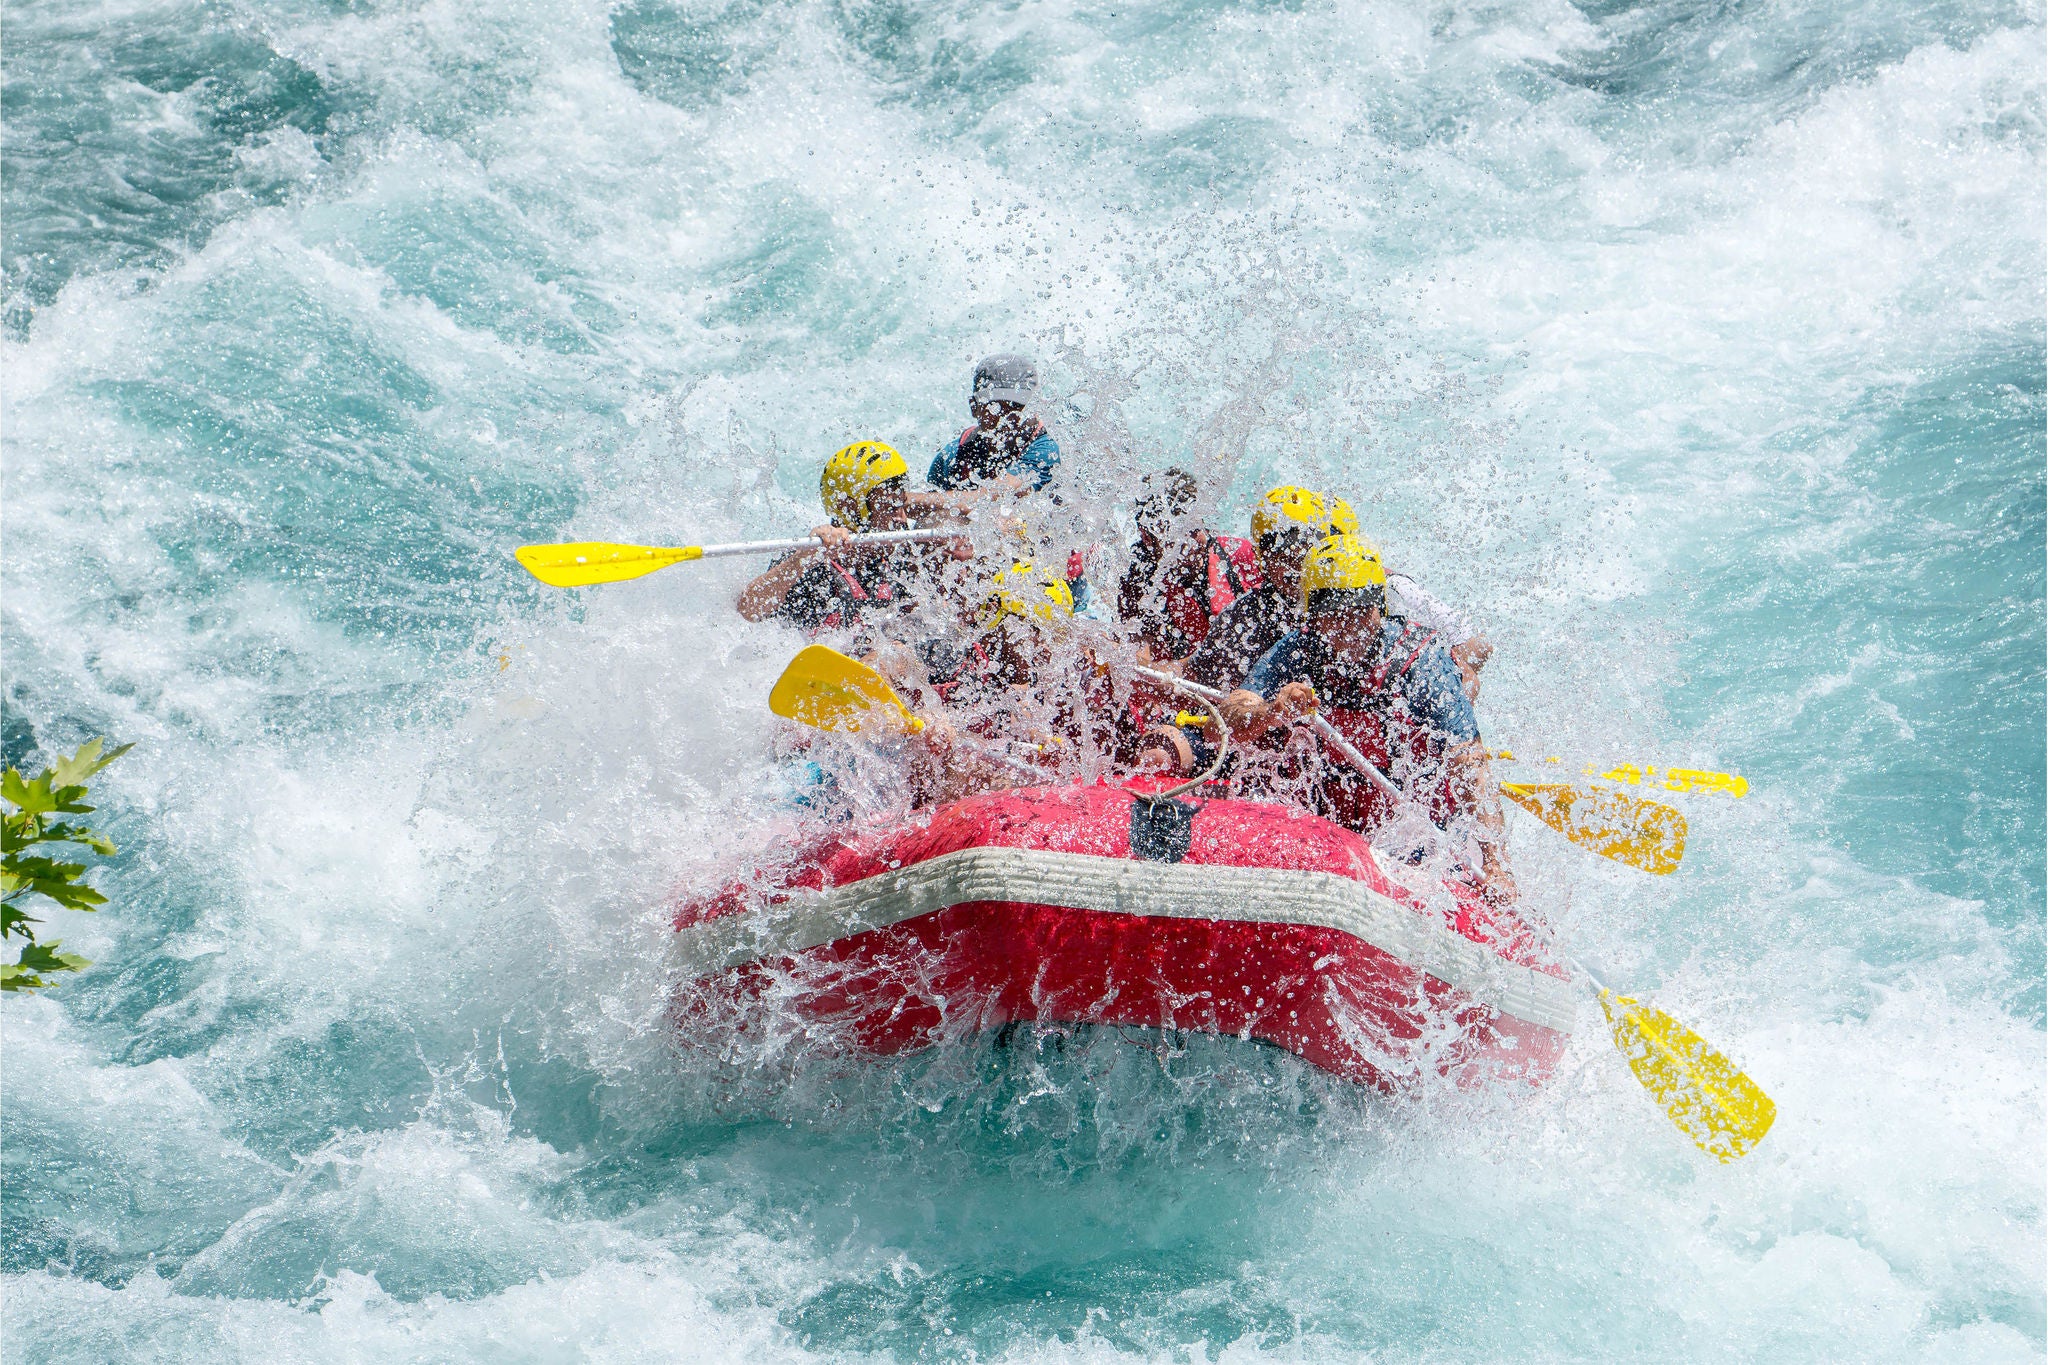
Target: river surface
[1696,349]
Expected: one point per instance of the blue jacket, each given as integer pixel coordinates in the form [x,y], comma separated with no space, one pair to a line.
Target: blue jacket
[1034,464]
[1431,690]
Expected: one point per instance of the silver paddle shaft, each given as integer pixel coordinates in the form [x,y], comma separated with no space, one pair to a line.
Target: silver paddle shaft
[770,547]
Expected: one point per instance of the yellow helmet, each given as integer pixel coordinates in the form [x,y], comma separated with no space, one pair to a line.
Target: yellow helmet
[1343,564]
[1026,591]
[1344,522]
[855,472]
[1291,507]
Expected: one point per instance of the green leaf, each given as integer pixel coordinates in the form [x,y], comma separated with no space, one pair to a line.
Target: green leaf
[37,958]
[25,874]
[70,800]
[13,978]
[33,796]
[19,831]
[35,867]
[70,895]
[44,957]
[72,771]
[78,834]
[60,788]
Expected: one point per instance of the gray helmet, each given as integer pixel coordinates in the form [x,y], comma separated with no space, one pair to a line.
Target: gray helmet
[1005,379]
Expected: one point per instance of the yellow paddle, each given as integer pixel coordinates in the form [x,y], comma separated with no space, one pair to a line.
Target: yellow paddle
[1696,780]
[584,563]
[823,688]
[1644,834]
[1724,1112]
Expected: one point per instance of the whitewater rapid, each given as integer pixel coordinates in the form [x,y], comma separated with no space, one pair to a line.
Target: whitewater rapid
[1697,351]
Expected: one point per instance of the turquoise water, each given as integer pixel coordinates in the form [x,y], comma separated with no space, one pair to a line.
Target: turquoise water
[1697,349]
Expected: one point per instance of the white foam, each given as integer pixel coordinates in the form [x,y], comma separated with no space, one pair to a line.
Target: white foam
[495,861]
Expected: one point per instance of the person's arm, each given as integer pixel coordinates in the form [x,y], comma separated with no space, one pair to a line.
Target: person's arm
[1436,700]
[957,507]
[937,509]
[1469,649]
[946,767]
[1470,657]
[1166,749]
[1039,460]
[1473,794]
[1250,715]
[1429,611]
[764,597]
[1278,675]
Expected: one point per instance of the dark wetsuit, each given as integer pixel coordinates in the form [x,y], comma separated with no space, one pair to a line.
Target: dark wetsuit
[1240,637]
[830,595]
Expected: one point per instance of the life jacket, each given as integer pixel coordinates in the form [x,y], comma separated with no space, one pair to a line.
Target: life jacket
[973,664]
[1377,725]
[851,599]
[1192,601]
[978,455]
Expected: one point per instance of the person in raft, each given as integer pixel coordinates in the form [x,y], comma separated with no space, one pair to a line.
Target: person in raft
[1412,602]
[1007,449]
[1406,598]
[838,586]
[1179,578]
[1391,689]
[1287,524]
[1010,628]
[999,707]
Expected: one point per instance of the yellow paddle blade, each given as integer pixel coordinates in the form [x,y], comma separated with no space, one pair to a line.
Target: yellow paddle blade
[1712,1102]
[1644,834]
[1697,780]
[823,688]
[588,562]
[1681,779]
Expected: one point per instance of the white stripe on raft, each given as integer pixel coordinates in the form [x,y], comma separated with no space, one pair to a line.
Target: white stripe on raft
[1120,886]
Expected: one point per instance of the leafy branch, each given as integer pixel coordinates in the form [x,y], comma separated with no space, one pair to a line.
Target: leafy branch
[27,869]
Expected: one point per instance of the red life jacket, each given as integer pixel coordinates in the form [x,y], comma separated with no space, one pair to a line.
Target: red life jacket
[852,597]
[1232,568]
[976,664]
[1409,753]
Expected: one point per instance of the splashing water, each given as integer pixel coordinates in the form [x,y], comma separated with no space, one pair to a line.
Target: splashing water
[1698,352]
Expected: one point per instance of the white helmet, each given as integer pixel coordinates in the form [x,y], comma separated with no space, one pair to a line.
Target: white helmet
[1005,379]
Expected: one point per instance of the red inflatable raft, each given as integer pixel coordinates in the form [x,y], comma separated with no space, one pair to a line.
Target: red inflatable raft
[1091,905]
